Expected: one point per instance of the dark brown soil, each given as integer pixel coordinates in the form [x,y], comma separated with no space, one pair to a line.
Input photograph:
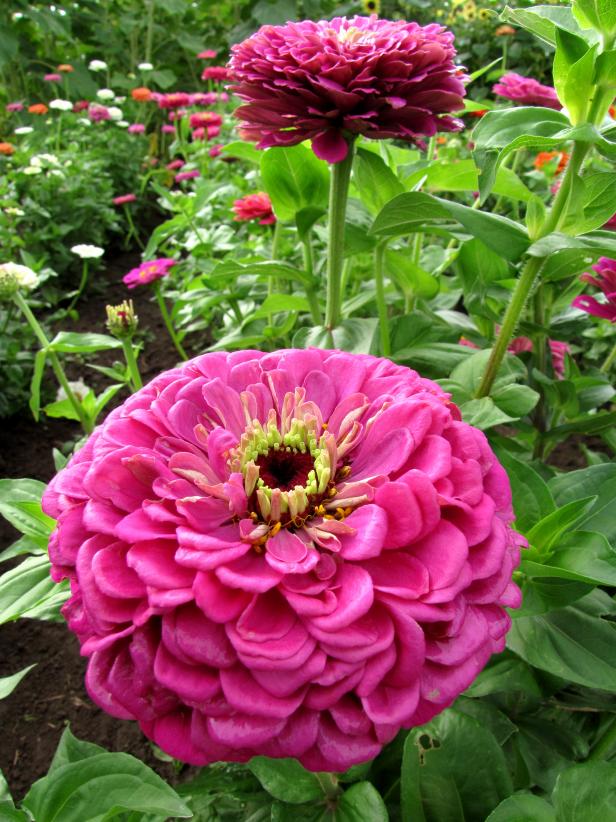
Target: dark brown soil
[52,695]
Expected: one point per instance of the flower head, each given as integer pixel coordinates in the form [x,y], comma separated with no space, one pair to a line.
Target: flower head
[97,65]
[38,108]
[141,94]
[254,207]
[192,174]
[175,164]
[145,67]
[167,129]
[15,277]
[105,94]
[504,31]
[204,98]
[527,91]
[80,105]
[330,80]
[606,282]
[52,78]
[216,73]
[13,107]
[122,321]
[610,225]
[148,272]
[215,150]
[66,68]
[545,158]
[22,130]
[208,54]
[124,198]
[87,252]
[292,554]
[176,99]
[61,105]
[96,113]
[203,119]
[7,148]
[136,128]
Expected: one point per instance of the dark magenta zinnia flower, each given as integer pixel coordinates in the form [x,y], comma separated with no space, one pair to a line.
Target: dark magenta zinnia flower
[148,271]
[329,80]
[606,282]
[254,207]
[288,554]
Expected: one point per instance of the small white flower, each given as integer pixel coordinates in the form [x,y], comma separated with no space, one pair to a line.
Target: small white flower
[30,170]
[57,173]
[120,100]
[25,277]
[83,121]
[145,66]
[24,130]
[105,94]
[61,105]
[97,65]
[45,158]
[15,212]
[79,389]
[115,113]
[87,252]
[36,161]
[123,123]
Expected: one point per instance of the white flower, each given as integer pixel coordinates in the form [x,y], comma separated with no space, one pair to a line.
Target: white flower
[115,113]
[105,94]
[24,276]
[123,123]
[45,158]
[83,121]
[87,252]
[57,173]
[24,130]
[61,105]
[120,100]
[145,66]
[97,65]
[30,170]
[16,212]
[79,389]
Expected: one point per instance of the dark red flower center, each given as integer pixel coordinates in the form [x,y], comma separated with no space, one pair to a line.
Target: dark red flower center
[285,469]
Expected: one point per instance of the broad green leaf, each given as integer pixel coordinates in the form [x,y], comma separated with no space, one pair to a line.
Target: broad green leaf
[376,182]
[70,749]
[545,534]
[411,278]
[571,643]
[483,413]
[243,151]
[532,499]
[354,335]
[502,676]
[470,373]
[20,504]
[598,203]
[62,409]
[599,480]
[100,787]
[586,793]
[275,303]
[548,748]
[286,779]
[515,400]
[9,683]
[24,545]
[584,556]
[294,178]
[437,784]
[221,274]
[541,595]
[599,15]
[29,591]
[574,69]
[359,803]
[542,21]
[35,385]
[71,342]
[523,807]
[463,176]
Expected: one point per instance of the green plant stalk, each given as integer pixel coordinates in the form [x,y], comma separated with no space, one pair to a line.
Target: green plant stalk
[149,36]
[132,229]
[131,362]
[338,196]
[609,361]
[540,345]
[167,320]
[379,277]
[311,294]
[604,746]
[530,271]
[34,324]
[82,284]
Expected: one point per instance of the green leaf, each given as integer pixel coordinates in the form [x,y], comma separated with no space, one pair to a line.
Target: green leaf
[20,504]
[9,683]
[543,536]
[294,178]
[376,182]
[286,779]
[100,787]
[571,643]
[599,480]
[574,70]
[503,676]
[29,591]
[584,556]
[70,749]
[411,278]
[462,175]
[586,793]
[359,803]
[523,807]
[532,499]
[354,335]
[71,342]
[35,386]
[437,784]
[542,21]
[515,400]
[62,409]
[598,204]
[539,596]
[483,413]
[243,151]
[596,14]
[275,303]
[547,749]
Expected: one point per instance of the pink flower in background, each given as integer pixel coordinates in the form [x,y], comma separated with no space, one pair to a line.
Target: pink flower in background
[215,150]
[330,80]
[606,282]
[136,128]
[203,98]
[611,223]
[187,175]
[177,99]
[124,198]
[559,350]
[167,129]
[203,119]
[174,116]
[293,554]
[254,207]
[97,113]
[53,78]
[527,91]
[208,54]
[13,107]
[148,271]
[80,105]
[216,73]
[175,164]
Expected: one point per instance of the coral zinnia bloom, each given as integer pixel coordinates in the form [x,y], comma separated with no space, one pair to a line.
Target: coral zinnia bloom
[66,68]
[544,157]
[141,94]
[526,90]
[38,108]
[328,80]
[148,271]
[606,282]
[289,554]
[7,148]
[254,207]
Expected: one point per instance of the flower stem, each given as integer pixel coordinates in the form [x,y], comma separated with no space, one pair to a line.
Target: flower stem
[86,423]
[609,361]
[379,258]
[132,229]
[311,294]
[131,362]
[167,320]
[82,284]
[338,195]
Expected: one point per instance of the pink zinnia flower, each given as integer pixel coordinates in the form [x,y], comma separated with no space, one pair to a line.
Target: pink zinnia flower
[215,150]
[201,98]
[217,73]
[187,175]
[330,80]
[174,116]
[177,99]
[175,164]
[254,207]
[527,91]
[124,198]
[202,119]
[559,350]
[136,128]
[97,113]
[13,107]
[167,129]
[292,554]
[208,54]
[53,78]
[148,271]
[606,282]
[611,223]
[80,105]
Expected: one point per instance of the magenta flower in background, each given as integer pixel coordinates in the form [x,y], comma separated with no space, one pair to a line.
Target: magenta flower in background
[215,150]
[175,164]
[203,119]
[187,175]
[124,198]
[80,105]
[136,128]
[526,91]
[558,350]
[176,115]
[611,223]
[14,107]
[330,80]
[292,554]
[148,272]
[254,207]
[167,129]
[216,73]
[176,99]
[606,282]
[53,78]
[208,54]
[96,113]
[201,98]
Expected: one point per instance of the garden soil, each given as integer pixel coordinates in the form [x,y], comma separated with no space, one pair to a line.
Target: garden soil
[52,696]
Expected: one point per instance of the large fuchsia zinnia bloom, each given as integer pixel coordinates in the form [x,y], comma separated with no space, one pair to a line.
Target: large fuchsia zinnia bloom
[605,280]
[527,91]
[288,554]
[329,80]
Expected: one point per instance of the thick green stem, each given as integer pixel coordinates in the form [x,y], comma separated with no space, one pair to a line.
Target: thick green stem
[34,324]
[311,294]
[540,346]
[609,361]
[167,320]
[604,746]
[82,284]
[131,362]
[379,276]
[338,195]
[132,229]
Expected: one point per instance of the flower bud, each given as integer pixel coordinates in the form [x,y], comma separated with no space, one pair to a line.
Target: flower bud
[15,277]
[121,320]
